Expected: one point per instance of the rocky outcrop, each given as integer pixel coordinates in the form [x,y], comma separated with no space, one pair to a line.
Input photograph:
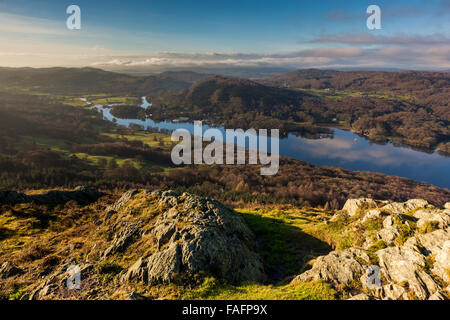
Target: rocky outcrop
[373,214]
[404,207]
[123,238]
[82,195]
[195,235]
[338,267]
[354,206]
[122,201]
[416,268]
[439,219]
[404,271]
[405,265]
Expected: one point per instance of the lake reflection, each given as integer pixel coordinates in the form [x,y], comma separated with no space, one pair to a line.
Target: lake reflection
[350,151]
[341,149]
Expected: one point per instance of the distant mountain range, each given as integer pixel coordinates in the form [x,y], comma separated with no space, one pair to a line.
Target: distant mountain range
[73,81]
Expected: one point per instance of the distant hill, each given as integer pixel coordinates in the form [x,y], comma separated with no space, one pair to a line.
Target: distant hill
[237,102]
[74,81]
[419,82]
[424,88]
[238,93]
[185,76]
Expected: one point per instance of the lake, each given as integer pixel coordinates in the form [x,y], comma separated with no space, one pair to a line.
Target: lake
[342,149]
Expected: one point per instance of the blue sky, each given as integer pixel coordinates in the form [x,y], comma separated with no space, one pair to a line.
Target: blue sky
[283,33]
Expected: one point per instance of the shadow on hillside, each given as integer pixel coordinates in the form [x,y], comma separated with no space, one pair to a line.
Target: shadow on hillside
[285,249]
[6,233]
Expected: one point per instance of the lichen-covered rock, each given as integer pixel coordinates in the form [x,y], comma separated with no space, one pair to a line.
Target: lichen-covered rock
[122,239]
[441,265]
[373,214]
[354,206]
[393,291]
[438,218]
[437,244]
[405,207]
[122,201]
[198,235]
[407,264]
[418,269]
[338,267]
[401,264]
[387,234]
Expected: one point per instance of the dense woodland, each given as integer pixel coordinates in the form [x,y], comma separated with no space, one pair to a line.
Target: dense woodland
[412,106]
[25,164]
[128,112]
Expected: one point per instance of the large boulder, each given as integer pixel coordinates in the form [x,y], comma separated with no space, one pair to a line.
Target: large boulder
[441,265]
[418,269]
[438,218]
[195,235]
[435,244]
[404,265]
[354,206]
[373,214]
[408,264]
[405,207]
[338,267]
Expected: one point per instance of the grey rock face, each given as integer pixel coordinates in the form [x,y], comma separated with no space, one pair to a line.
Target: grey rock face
[338,267]
[122,239]
[198,235]
[440,218]
[437,244]
[420,268]
[372,214]
[393,292]
[353,206]
[122,201]
[404,207]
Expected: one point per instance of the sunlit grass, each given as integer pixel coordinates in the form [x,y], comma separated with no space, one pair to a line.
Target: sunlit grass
[109,100]
[335,94]
[285,246]
[151,139]
[211,289]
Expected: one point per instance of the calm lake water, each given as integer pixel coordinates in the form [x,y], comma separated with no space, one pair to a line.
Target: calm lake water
[342,149]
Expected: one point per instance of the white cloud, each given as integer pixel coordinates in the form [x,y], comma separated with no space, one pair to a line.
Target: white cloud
[436,57]
[366,38]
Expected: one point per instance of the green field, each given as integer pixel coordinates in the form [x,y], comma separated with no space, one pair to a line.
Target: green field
[335,94]
[61,146]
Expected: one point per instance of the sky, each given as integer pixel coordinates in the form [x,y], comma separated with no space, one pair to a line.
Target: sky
[414,34]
